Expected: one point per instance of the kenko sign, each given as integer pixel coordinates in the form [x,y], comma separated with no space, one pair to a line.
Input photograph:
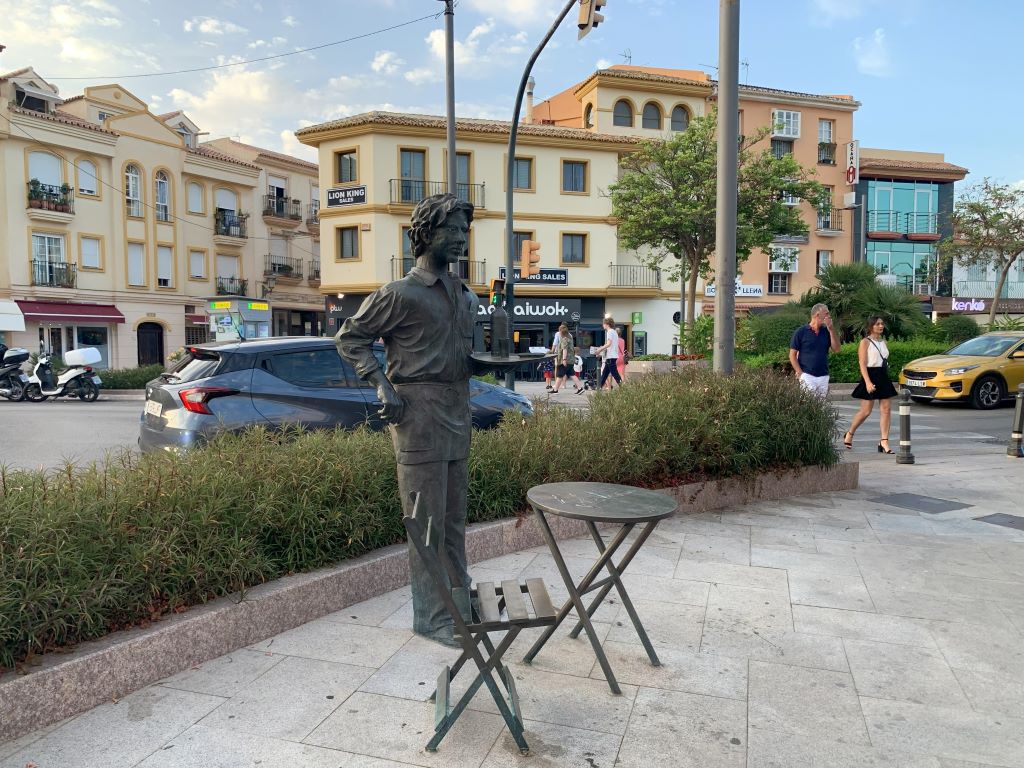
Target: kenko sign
[545,310]
[968,305]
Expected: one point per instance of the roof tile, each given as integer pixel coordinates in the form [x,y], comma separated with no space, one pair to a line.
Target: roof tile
[62,117]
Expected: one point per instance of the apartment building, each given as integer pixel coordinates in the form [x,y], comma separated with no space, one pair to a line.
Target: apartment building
[116,226]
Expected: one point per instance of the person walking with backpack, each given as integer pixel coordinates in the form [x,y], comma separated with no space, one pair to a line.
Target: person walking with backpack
[611,352]
[874,384]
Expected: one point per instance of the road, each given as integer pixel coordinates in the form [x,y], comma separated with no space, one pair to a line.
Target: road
[45,434]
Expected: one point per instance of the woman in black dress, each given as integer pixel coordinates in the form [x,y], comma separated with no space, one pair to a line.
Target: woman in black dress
[874,384]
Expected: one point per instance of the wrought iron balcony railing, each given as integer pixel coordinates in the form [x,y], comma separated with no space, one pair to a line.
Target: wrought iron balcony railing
[826,153]
[231,286]
[634,276]
[314,272]
[985,289]
[830,220]
[472,272]
[282,208]
[282,266]
[51,197]
[412,191]
[313,213]
[400,266]
[231,224]
[55,274]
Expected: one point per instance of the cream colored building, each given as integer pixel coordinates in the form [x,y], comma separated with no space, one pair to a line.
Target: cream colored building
[115,227]
[374,167]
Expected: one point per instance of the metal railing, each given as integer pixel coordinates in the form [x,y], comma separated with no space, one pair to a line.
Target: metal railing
[282,266]
[412,191]
[883,221]
[230,224]
[313,213]
[473,272]
[922,224]
[55,274]
[982,289]
[314,272]
[51,197]
[634,276]
[830,220]
[231,286]
[826,153]
[282,208]
[400,266]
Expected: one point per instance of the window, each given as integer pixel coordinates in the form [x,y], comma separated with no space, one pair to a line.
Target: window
[825,128]
[412,164]
[104,115]
[406,243]
[788,198]
[346,167]
[163,196]
[522,173]
[48,249]
[783,259]
[786,123]
[622,114]
[164,266]
[574,176]
[86,177]
[588,116]
[313,368]
[186,136]
[778,283]
[651,116]
[45,167]
[680,119]
[89,253]
[348,243]
[195,197]
[197,264]
[136,264]
[517,244]
[133,190]
[462,177]
[227,266]
[824,259]
[781,148]
[574,248]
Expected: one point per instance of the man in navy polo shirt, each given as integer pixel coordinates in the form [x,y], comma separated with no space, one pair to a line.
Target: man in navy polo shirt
[809,348]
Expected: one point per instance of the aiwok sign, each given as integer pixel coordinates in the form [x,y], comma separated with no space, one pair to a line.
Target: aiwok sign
[541,310]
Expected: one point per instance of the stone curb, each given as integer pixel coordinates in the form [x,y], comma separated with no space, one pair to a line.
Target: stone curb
[64,684]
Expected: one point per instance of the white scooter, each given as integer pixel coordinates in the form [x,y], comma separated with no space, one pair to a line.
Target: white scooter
[78,380]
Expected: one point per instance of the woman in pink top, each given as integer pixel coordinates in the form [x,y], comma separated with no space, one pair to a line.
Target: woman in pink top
[620,362]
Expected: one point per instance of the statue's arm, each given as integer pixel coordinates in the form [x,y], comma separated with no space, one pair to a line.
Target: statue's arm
[375,319]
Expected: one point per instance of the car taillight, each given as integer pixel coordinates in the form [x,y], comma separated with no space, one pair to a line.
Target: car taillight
[195,398]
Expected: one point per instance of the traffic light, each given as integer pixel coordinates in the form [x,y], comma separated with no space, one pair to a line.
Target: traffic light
[497,291]
[589,16]
[529,259]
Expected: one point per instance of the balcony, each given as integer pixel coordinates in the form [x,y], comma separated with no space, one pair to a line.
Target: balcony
[231,286]
[400,267]
[282,267]
[471,272]
[884,224]
[412,191]
[48,202]
[313,215]
[985,289]
[634,276]
[54,274]
[923,227]
[314,273]
[230,228]
[830,222]
[282,211]
[826,153]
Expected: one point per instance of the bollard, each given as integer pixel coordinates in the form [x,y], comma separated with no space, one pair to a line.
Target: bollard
[903,455]
[675,351]
[1015,450]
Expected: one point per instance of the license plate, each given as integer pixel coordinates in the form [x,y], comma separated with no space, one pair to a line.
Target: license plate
[916,383]
[97,380]
[153,408]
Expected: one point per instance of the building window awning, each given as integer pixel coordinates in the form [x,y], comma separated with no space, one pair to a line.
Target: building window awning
[59,312]
[37,93]
[11,318]
[197,319]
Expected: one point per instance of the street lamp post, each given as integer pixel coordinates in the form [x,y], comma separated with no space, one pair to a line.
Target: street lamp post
[449,87]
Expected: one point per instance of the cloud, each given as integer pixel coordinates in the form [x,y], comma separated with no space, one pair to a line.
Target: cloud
[292,146]
[422,75]
[518,12]
[602,64]
[872,54]
[207,25]
[827,12]
[386,63]
[289,21]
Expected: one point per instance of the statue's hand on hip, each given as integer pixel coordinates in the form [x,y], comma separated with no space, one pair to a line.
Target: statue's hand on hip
[393,408]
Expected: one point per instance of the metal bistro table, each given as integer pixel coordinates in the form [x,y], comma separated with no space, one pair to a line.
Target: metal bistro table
[599,503]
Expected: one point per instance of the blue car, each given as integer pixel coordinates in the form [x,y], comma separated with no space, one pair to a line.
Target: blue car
[277,383]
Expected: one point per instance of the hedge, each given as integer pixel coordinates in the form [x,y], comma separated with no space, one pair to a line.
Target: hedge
[87,551]
[844,367]
[130,378]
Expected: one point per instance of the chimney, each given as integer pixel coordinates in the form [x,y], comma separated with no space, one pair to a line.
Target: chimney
[529,99]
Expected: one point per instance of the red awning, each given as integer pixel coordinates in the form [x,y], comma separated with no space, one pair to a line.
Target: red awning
[60,312]
[197,319]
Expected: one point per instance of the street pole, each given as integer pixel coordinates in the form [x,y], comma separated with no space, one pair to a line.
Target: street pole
[510,377]
[725,204]
[449,88]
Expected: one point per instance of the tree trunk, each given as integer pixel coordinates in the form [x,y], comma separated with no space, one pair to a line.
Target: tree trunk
[1000,282]
[691,302]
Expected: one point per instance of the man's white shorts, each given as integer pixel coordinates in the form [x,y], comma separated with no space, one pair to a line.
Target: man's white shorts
[816,384]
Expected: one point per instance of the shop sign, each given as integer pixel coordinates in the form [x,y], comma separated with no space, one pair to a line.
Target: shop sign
[544,310]
[340,197]
[220,305]
[552,276]
[853,162]
[258,305]
[968,305]
[746,291]
[637,318]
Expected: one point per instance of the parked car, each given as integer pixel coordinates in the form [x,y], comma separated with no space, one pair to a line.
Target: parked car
[288,381]
[984,370]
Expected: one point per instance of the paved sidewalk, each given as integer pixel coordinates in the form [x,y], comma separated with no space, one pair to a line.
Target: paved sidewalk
[839,630]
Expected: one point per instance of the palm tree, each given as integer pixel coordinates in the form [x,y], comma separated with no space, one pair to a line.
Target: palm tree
[900,309]
[838,287]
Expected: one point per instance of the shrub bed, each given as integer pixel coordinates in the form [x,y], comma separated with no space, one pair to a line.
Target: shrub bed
[85,552]
[130,378]
[844,367]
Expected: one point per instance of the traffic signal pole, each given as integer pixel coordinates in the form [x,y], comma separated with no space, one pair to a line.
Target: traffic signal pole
[510,378]
[449,90]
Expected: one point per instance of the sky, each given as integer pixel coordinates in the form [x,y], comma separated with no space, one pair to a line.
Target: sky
[931,75]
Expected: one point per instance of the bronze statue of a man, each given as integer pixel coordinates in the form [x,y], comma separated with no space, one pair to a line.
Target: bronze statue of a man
[426,321]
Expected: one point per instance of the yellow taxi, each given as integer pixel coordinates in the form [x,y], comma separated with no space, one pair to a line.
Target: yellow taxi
[984,370]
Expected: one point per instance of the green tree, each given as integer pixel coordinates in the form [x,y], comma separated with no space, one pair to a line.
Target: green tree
[900,309]
[838,287]
[988,231]
[665,201]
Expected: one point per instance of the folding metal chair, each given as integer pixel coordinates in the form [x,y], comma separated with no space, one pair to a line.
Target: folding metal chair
[490,608]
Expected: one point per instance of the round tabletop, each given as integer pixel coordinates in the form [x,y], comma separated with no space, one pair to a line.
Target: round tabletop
[602,502]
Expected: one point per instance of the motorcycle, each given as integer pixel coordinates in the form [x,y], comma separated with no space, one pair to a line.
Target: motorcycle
[13,382]
[78,380]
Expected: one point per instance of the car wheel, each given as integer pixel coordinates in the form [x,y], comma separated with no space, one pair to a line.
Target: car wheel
[88,391]
[34,393]
[987,393]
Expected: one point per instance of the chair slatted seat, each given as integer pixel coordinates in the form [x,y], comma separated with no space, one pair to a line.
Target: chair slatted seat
[508,607]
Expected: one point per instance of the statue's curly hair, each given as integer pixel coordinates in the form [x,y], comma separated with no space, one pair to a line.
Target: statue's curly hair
[429,214]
